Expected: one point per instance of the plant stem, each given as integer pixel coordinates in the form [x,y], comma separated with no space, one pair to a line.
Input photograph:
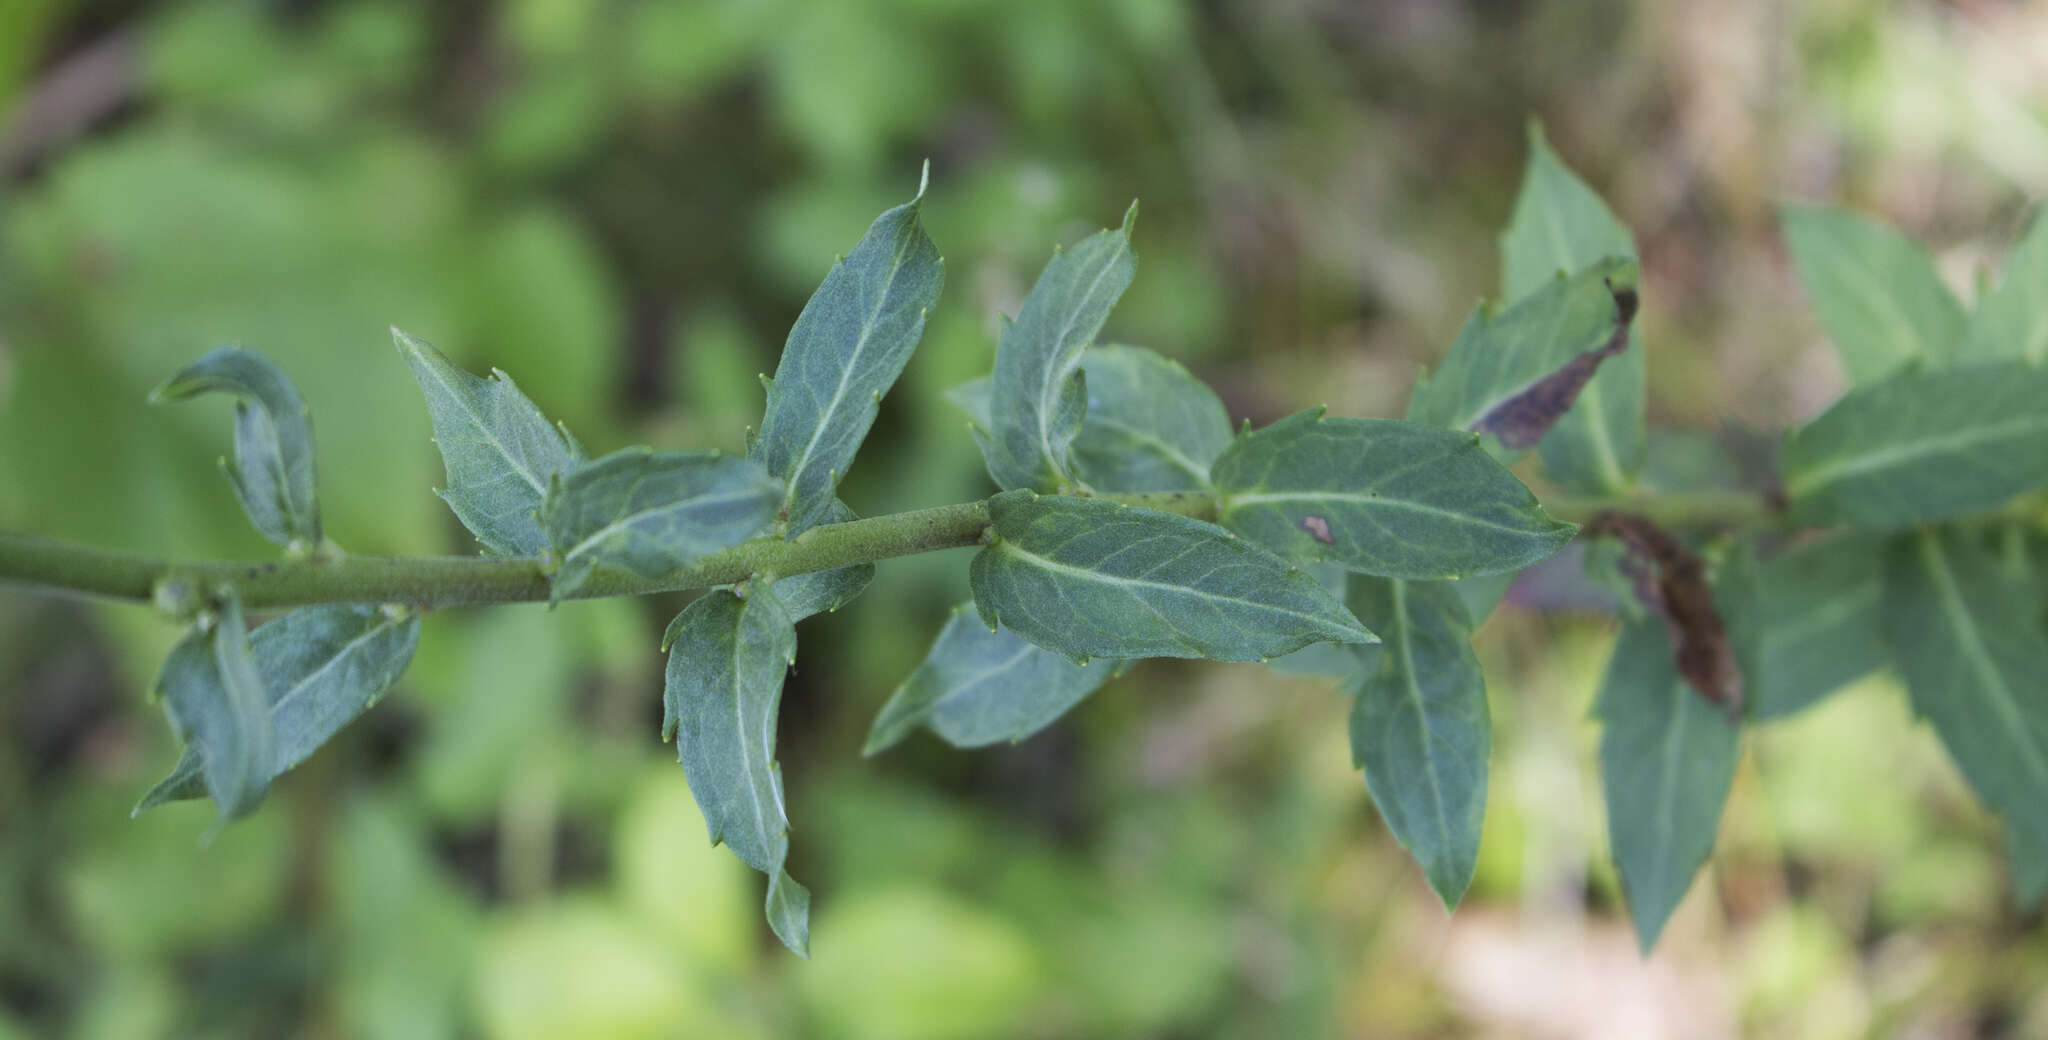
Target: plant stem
[447,581]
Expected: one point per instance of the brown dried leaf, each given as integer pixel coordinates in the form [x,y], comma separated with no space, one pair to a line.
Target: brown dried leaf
[1672,581]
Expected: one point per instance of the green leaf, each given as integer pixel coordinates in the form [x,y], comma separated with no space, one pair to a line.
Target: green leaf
[273,470]
[2011,321]
[1820,625]
[1420,728]
[321,667]
[1921,446]
[1037,395]
[1667,759]
[726,659]
[499,449]
[1386,497]
[1874,290]
[1150,424]
[978,687]
[1560,224]
[1087,577]
[216,703]
[1967,640]
[820,592]
[647,513]
[844,352]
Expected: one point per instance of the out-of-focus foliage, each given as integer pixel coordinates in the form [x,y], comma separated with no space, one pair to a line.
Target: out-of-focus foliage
[624,206]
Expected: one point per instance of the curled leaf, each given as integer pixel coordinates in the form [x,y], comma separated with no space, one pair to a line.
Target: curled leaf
[273,469]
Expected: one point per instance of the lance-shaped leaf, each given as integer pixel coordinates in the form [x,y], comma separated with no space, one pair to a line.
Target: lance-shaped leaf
[844,352]
[321,668]
[500,451]
[1560,224]
[1499,357]
[1150,425]
[215,700]
[273,470]
[1037,395]
[821,591]
[647,513]
[1820,625]
[1667,759]
[1874,290]
[1921,446]
[726,659]
[1420,728]
[978,687]
[2011,321]
[1087,577]
[1382,496]
[1967,639]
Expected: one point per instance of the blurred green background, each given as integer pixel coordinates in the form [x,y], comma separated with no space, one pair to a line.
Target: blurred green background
[624,204]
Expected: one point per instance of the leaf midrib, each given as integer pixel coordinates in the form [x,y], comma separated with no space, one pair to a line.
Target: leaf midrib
[1823,475]
[476,420]
[1059,369]
[1145,438]
[1010,547]
[852,364]
[1232,502]
[588,542]
[1977,656]
[296,689]
[1405,643]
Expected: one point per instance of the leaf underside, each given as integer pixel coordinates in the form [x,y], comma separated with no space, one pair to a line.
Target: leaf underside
[845,351]
[726,659]
[1037,395]
[976,687]
[647,513]
[499,450]
[321,667]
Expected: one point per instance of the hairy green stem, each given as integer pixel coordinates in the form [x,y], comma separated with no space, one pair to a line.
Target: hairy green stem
[447,581]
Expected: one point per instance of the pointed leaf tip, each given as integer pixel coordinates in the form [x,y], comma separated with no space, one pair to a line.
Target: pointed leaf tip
[924,180]
[1130,218]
